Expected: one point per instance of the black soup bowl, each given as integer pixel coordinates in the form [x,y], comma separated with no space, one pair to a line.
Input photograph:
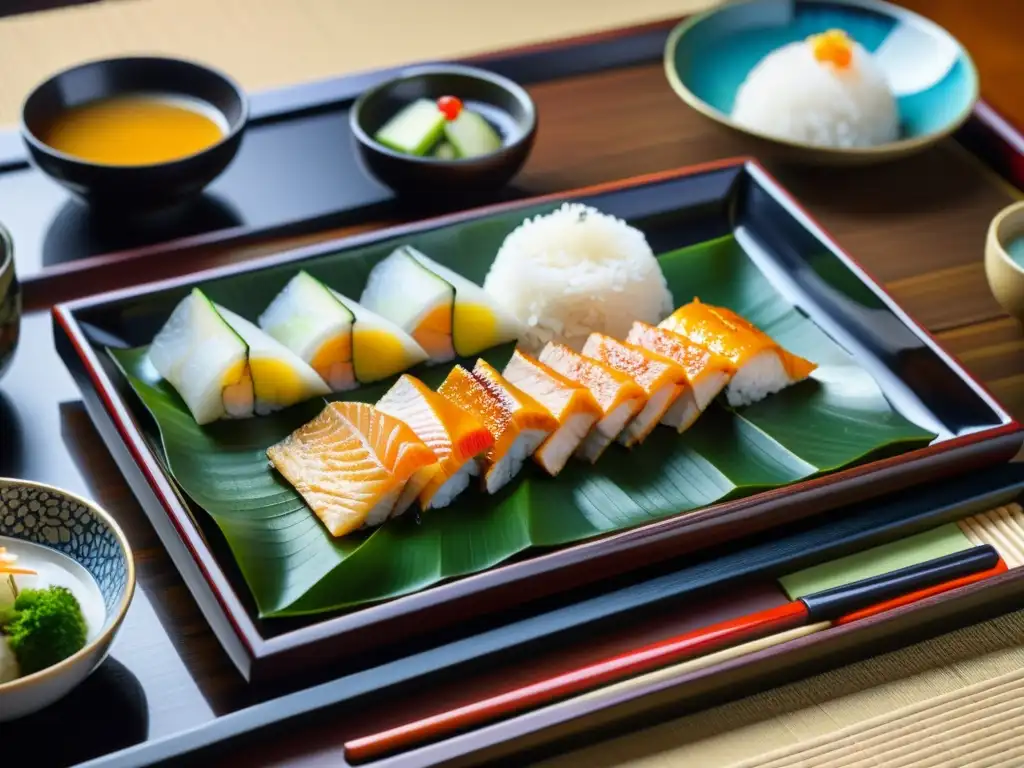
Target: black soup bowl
[127,188]
[503,103]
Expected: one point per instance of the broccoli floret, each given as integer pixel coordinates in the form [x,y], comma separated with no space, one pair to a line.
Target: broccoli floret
[45,627]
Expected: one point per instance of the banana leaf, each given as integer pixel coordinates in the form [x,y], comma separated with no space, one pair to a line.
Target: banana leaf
[294,567]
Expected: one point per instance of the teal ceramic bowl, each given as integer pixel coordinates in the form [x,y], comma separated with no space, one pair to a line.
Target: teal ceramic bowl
[708,57]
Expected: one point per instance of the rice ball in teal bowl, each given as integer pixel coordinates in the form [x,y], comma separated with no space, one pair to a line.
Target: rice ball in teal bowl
[830,81]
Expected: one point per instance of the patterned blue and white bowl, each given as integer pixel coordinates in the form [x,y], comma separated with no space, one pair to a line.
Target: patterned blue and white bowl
[707,58]
[69,541]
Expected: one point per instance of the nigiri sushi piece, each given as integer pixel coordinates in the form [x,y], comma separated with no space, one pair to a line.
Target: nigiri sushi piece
[280,378]
[205,360]
[619,397]
[568,401]
[661,380]
[707,372]
[351,464]
[456,437]
[447,314]
[344,343]
[518,423]
[763,367]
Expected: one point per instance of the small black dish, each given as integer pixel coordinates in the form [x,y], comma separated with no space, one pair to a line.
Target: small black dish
[505,105]
[130,188]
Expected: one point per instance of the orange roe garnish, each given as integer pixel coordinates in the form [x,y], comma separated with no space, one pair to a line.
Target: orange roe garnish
[834,47]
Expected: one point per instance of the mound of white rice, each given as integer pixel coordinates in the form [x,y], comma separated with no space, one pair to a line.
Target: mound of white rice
[575,271]
[793,96]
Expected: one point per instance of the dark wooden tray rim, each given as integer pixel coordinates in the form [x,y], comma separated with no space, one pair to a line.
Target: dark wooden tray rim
[521,581]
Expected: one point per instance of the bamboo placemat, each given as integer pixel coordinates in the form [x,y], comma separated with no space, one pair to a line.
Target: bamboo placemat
[824,720]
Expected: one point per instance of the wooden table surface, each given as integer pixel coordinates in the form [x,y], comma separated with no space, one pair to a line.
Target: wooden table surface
[918,226]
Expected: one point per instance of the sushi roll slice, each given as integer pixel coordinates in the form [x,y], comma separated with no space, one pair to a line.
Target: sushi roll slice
[707,372]
[205,360]
[619,396]
[447,314]
[380,349]
[343,342]
[518,423]
[351,464]
[419,302]
[280,378]
[661,380]
[568,401]
[456,437]
[762,366]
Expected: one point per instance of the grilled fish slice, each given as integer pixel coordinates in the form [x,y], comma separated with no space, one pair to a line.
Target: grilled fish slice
[763,367]
[661,380]
[351,464]
[568,401]
[516,421]
[707,372]
[619,397]
[456,437]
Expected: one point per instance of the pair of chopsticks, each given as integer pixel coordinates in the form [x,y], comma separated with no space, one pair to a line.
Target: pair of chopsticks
[805,615]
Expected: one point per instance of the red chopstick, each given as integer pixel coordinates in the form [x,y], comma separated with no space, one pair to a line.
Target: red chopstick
[689,645]
[859,599]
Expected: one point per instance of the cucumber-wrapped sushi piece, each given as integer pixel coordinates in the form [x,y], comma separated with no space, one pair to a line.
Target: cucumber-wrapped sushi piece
[444,312]
[206,361]
[223,366]
[345,343]
[280,378]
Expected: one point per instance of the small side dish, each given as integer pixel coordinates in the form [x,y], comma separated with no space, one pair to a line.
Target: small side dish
[445,129]
[826,90]
[39,626]
[136,134]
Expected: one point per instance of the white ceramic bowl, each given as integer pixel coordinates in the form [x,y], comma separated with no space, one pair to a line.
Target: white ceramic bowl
[73,540]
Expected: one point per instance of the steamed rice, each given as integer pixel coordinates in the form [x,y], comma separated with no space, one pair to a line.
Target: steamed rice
[575,271]
[793,96]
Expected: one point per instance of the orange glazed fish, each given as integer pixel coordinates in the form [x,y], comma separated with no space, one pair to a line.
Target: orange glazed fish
[351,464]
[762,366]
[569,402]
[619,396]
[454,435]
[661,380]
[706,371]
[517,422]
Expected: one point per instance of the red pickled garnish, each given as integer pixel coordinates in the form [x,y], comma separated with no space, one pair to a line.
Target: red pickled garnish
[450,106]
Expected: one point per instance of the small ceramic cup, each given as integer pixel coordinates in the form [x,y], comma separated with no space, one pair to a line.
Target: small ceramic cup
[10,301]
[1006,276]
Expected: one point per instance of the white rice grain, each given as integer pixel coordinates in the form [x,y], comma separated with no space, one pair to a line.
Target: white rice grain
[576,271]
